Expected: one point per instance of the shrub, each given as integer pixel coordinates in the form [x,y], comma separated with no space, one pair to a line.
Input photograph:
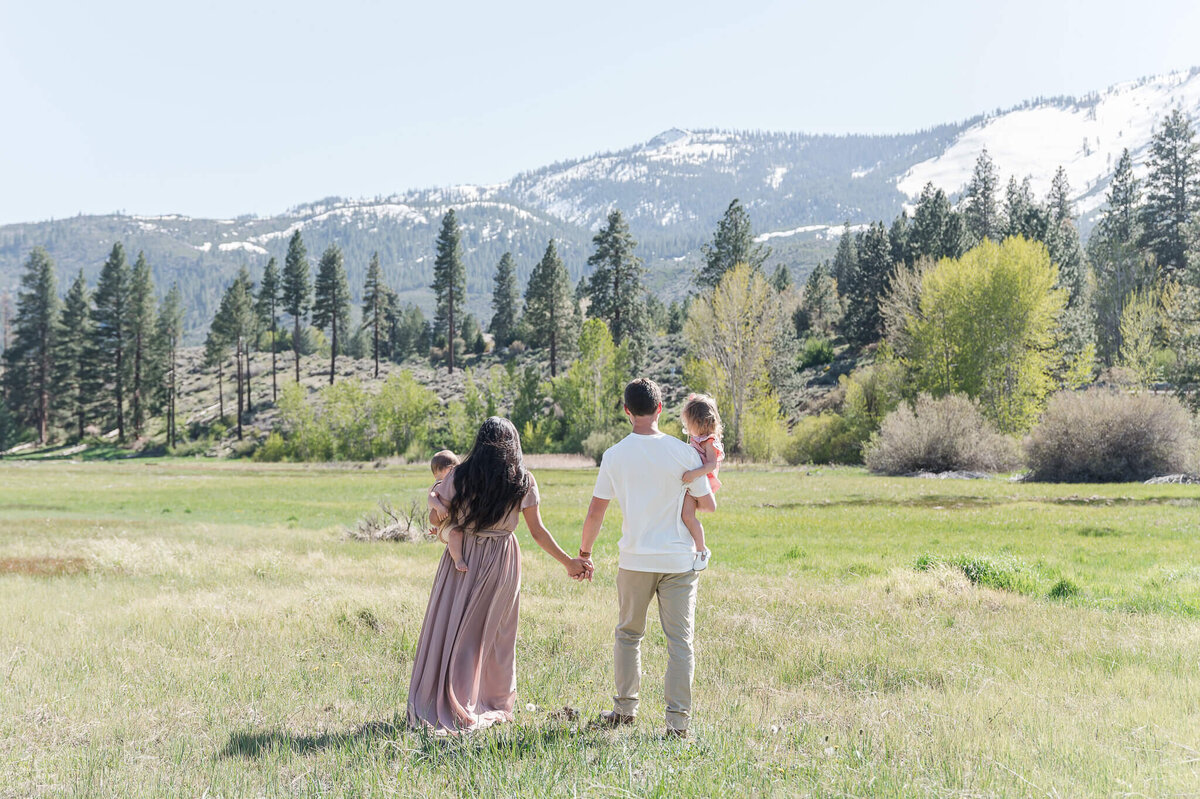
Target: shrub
[826,438]
[273,450]
[1102,435]
[939,435]
[817,351]
[764,432]
[596,443]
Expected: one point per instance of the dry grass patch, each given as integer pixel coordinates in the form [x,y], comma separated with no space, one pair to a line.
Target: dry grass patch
[43,567]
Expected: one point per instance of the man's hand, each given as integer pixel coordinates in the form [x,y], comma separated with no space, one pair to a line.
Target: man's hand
[579,569]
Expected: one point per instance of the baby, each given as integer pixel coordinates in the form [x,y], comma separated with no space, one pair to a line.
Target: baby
[703,426]
[441,464]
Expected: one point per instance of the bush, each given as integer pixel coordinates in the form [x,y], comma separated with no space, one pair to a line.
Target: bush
[273,450]
[939,435]
[1102,436]
[817,351]
[826,438]
[764,433]
[596,443]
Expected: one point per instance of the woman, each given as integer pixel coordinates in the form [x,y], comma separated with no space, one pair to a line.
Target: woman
[464,671]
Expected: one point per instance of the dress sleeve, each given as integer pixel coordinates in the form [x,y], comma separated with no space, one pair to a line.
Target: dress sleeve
[445,488]
[533,498]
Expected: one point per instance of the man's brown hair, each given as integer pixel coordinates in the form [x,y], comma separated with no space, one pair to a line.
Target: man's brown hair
[643,397]
[443,460]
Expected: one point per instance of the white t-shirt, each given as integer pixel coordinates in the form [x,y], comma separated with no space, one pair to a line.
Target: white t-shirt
[643,474]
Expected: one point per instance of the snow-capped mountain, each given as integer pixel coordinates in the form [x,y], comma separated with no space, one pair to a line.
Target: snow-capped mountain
[800,189]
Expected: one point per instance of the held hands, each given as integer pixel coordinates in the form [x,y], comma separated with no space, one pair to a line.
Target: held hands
[580,569]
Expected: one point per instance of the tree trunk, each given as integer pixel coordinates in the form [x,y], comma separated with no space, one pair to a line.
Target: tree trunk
[237,356]
[333,349]
[274,337]
[120,390]
[296,348]
[376,326]
[137,385]
[44,390]
[249,396]
[450,335]
[221,388]
[171,401]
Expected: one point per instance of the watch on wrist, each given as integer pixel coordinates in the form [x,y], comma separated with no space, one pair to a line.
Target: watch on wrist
[583,554]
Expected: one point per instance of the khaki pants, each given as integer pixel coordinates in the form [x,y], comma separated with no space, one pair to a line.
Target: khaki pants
[676,610]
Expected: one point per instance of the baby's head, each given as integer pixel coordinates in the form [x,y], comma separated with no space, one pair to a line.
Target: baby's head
[442,462]
[700,416]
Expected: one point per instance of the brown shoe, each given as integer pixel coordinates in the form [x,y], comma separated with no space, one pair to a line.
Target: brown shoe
[673,733]
[611,718]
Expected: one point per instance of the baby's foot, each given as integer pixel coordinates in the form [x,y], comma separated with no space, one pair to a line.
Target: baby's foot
[701,562]
[460,565]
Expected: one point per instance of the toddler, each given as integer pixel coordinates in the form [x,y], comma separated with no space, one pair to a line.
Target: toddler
[441,464]
[702,424]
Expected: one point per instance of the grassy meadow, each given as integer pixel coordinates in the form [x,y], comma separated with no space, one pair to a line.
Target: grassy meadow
[204,628]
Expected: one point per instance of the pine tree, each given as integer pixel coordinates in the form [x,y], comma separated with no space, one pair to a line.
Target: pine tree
[1018,208]
[110,317]
[1122,269]
[979,201]
[732,244]
[232,326]
[214,356]
[267,308]
[168,331]
[548,306]
[297,290]
[331,301]
[845,260]
[782,279]
[936,230]
[449,281]
[141,333]
[73,360]
[615,292]
[1172,192]
[819,306]
[29,361]
[375,295]
[866,284]
[505,300]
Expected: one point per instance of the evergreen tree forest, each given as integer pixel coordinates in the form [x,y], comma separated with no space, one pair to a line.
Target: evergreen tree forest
[100,361]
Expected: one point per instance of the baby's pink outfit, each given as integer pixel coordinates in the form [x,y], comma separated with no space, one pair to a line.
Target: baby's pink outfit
[697,443]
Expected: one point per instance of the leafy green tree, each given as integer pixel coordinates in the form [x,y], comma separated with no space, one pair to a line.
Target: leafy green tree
[74,362]
[267,308]
[402,412]
[731,333]
[375,295]
[449,281]
[110,326]
[548,306]
[984,327]
[1140,323]
[331,302]
[505,301]
[732,244]
[586,393]
[141,336]
[979,201]
[1172,192]
[297,290]
[615,290]
[29,361]
[169,330]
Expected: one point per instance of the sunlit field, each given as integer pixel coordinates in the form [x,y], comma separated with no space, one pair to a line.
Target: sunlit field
[206,628]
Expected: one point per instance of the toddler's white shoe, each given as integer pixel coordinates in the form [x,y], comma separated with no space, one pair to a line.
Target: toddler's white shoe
[701,562]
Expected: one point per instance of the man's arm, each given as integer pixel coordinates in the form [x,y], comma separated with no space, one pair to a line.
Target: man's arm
[591,525]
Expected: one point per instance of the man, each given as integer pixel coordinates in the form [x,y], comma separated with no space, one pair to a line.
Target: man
[643,473]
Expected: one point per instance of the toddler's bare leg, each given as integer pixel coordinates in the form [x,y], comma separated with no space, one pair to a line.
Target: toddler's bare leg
[692,523]
[454,543]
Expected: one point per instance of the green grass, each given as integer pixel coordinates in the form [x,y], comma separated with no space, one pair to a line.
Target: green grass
[182,628]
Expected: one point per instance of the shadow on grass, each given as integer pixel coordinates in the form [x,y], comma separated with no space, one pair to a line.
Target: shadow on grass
[515,741]
[962,501]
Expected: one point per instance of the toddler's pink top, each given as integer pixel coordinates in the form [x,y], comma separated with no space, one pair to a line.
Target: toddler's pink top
[697,443]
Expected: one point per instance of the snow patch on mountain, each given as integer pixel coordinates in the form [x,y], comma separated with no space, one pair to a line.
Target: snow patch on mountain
[1084,136]
[230,246]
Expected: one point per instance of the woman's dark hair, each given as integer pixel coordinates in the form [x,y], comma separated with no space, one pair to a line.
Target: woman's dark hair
[491,479]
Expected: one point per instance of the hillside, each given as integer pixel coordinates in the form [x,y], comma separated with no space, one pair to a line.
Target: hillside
[798,188]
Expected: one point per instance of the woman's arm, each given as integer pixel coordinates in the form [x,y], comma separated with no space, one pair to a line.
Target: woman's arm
[541,536]
[710,459]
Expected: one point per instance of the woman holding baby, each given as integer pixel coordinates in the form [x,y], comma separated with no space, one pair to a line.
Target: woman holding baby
[464,670]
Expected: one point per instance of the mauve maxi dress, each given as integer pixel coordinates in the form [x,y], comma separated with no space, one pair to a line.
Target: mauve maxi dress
[464,671]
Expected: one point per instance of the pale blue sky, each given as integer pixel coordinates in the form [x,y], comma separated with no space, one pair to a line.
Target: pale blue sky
[222,108]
